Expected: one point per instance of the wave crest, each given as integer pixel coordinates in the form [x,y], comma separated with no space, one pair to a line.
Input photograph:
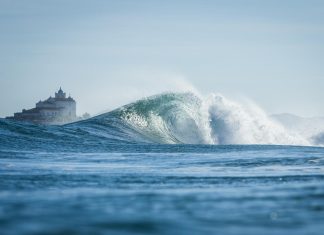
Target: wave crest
[188,118]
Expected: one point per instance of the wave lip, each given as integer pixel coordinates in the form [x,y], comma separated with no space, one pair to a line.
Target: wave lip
[171,118]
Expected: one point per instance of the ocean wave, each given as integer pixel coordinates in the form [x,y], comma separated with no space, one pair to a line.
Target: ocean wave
[189,119]
[169,118]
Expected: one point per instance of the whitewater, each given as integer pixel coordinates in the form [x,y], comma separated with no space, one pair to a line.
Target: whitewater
[172,163]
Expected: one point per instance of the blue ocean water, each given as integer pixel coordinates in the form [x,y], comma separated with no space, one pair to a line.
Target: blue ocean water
[158,166]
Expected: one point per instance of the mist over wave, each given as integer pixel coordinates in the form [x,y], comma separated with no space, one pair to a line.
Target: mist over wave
[310,128]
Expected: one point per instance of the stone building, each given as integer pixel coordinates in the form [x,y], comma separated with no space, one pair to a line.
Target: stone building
[55,110]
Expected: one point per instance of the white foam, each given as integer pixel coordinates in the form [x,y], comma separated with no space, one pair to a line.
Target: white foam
[235,123]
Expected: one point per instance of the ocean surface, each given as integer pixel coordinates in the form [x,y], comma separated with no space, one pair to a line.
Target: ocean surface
[168,164]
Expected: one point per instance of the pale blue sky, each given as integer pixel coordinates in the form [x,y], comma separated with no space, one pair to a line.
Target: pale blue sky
[108,53]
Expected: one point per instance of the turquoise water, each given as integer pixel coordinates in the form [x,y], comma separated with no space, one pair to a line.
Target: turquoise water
[121,173]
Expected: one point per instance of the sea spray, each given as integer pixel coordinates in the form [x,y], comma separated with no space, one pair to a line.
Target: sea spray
[234,123]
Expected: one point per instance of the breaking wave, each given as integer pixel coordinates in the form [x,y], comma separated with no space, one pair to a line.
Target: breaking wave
[169,118]
[189,119]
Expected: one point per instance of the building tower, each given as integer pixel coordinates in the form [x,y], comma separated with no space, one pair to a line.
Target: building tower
[60,94]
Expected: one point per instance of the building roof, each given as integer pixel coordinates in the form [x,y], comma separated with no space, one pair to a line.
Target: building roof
[33,110]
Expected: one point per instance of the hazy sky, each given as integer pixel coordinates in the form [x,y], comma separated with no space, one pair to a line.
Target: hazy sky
[108,53]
